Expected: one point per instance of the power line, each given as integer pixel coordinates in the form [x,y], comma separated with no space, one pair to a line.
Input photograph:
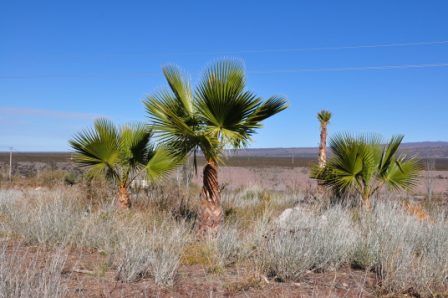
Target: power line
[89,76]
[254,72]
[287,50]
[331,48]
[254,51]
[354,68]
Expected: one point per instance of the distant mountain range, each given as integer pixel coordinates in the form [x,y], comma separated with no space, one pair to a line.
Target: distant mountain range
[420,149]
[26,163]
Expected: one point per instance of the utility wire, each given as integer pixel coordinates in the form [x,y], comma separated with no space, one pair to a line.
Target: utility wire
[284,50]
[255,72]
[311,49]
[355,68]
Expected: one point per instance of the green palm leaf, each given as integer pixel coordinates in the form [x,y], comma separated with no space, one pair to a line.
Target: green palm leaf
[218,114]
[402,174]
[98,149]
[364,165]
[160,163]
[324,116]
[121,154]
[180,87]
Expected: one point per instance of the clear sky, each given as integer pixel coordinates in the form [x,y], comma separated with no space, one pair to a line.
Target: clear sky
[64,63]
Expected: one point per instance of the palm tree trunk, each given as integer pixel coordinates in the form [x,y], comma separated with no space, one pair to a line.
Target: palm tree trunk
[366,202]
[124,199]
[323,146]
[210,211]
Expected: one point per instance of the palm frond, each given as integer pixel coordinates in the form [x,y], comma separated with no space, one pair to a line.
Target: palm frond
[229,112]
[97,148]
[402,174]
[388,154]
[171,124]
[270,107]
[121,154]
[363,164]
[348,164]
[220,94]
[135,144]
[106,131]
[324,116]
[221,113]
[180,87]
[160,163]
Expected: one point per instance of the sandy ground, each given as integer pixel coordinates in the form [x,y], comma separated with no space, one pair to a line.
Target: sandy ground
[282,179]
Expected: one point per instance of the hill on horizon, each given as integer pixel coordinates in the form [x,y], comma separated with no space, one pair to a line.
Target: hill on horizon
[424,150]
[419,149]
[30,162]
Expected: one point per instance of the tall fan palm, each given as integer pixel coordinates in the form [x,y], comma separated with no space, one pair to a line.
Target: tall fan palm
[324,118]
[362,165]
[218,114]
[121,155]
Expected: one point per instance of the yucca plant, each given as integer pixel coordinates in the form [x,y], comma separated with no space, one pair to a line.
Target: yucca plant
[121,155]
[218,114]
[362,166]
[324,118]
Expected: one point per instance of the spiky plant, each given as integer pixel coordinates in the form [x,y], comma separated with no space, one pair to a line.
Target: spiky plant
[324,118]
[218,114]
[362,165]
[121,155]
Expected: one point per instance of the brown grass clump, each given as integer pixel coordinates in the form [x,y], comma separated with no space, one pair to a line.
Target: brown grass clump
[199,253]
[417,210]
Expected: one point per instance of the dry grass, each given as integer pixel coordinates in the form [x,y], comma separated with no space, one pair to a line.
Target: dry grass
[142,246]
[22,275]
[154,252]
[307,241]
[404,251]
[156,238]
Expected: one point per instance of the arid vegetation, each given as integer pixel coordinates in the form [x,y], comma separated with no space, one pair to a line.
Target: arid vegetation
[354,225]
[122,155]
[219,113]
[362,166]
[282,242]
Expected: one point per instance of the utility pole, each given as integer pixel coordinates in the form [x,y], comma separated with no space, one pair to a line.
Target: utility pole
[10,164]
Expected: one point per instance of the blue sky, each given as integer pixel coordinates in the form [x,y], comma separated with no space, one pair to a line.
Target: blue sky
[64,63]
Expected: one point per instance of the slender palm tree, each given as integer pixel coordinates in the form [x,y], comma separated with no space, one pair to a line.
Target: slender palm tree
[121,155]
[218,114]
[324,118]
[362,165]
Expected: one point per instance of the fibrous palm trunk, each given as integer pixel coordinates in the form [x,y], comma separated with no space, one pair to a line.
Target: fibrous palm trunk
[323,146]
[210,211]
[366,202]
[124,199]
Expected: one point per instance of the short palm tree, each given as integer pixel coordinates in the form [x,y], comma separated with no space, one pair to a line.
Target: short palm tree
[218,114]
[324,118]
[362,165]
[121,155]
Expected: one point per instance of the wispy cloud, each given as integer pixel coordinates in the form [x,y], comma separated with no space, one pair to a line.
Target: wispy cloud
[27,111]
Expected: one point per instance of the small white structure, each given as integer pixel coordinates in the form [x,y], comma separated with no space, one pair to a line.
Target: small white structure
[140,183]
